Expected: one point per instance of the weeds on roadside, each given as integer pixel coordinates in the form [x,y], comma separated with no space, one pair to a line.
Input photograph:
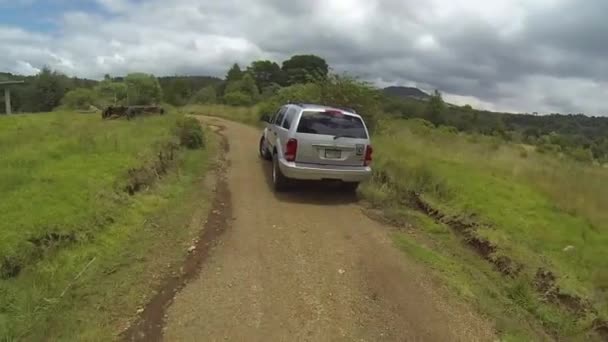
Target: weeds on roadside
[534,205]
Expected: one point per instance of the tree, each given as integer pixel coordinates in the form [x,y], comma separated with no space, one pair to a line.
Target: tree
[234,74]
[347,92]
[530,134]
[266,73]
[250,87]
[204,95]
[233,86]
[177,91]
[246,86]
[269,91]
[142,89]
[80,98]
[435,108]
[110,93]
[45,91]
[305,69]
[339,91]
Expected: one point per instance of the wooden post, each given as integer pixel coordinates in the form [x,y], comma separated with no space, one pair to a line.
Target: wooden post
[7,100]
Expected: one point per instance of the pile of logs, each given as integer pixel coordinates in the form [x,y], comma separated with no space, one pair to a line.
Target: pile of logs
[130,112]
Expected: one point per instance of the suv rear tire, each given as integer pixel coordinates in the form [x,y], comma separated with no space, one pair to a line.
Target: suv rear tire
[279,181]
[264,154]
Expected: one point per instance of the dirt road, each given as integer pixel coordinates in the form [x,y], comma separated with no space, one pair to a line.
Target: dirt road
[308,266]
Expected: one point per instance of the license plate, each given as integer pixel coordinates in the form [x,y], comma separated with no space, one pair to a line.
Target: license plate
[333,154]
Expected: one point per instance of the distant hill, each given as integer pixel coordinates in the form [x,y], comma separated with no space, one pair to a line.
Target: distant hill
[406,92]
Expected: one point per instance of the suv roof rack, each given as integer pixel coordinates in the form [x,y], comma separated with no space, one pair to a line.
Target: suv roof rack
[299,104]
[350,110]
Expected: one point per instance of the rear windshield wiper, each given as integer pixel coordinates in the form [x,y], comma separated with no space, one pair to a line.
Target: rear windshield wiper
[342,136]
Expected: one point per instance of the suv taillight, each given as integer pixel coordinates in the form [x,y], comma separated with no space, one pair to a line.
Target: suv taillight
[291,150]
[368,155]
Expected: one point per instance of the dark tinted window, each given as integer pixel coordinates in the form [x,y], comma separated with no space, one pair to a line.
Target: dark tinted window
[280,116]
[289,117]
[331,123]
[274,116]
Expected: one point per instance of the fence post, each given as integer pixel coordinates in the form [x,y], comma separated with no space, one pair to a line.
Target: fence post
[7,100]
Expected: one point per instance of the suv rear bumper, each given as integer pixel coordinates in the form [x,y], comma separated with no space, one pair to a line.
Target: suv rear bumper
[324,172]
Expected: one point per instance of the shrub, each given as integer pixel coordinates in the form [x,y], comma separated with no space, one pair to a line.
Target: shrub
[143,89]
[238,98]
[190,133]
[270,90]
[306,93]
[448,129]
[548,148]
[204,95]
[523,153]
[420,126]
[81,98]
[422,123]
[495,143]
[582,155]
[474,138]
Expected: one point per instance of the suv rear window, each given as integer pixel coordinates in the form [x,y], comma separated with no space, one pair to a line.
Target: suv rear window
[332,123]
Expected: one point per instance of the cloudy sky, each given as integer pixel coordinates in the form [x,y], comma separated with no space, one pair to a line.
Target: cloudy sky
[515,55]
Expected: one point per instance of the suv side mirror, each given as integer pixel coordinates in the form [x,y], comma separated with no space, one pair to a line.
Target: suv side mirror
[265,118]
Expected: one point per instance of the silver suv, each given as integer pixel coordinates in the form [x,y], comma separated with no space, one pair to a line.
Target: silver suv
[313,142]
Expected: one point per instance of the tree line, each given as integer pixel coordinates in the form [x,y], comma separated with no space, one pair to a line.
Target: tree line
[582,137]
[261,79]
[49,90]
[307,78]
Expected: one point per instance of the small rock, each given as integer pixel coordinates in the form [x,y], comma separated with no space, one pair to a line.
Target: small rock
[140,310]
[191,249]
[341,271]
[568,248]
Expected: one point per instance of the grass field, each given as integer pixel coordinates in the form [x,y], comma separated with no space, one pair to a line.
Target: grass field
[79,255]
[542,212]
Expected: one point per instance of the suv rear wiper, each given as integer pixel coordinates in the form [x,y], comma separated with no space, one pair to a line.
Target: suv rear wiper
[342,136]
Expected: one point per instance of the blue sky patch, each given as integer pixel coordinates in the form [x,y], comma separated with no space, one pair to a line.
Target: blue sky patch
[42,16]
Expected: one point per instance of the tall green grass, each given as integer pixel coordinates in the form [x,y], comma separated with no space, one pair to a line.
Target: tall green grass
[88,253]
[61,173]
[542,211]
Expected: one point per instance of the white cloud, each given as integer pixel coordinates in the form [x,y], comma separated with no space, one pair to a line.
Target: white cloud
[426,42]
[25,68]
